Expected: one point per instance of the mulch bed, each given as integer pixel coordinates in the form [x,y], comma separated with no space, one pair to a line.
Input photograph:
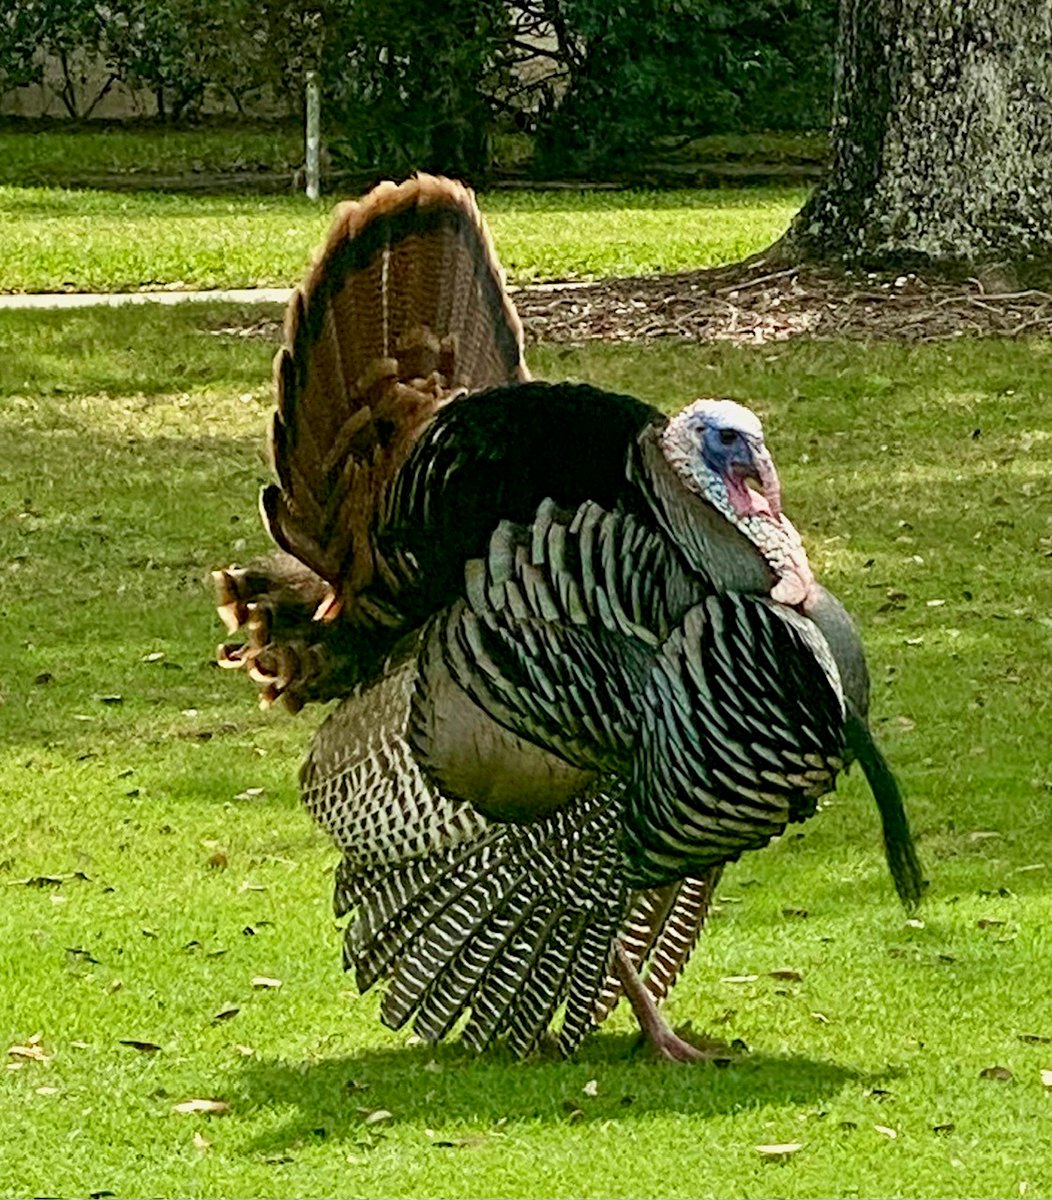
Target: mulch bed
[751,304]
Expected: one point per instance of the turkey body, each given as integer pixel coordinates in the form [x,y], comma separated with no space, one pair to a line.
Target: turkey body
[579,665]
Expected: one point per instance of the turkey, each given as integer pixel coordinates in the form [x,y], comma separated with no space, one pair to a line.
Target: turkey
[580,664]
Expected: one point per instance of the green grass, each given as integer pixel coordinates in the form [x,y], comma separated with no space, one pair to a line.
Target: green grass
[49,154]
[57,156]
[130,456]
[53,240]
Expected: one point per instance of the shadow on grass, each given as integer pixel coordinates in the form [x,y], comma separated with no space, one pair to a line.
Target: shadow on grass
[445,1085]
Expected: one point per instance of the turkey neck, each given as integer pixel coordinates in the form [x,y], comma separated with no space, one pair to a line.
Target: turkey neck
[710,543]
[722,553]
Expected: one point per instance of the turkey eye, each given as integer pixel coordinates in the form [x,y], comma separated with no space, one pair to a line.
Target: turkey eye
[728,437]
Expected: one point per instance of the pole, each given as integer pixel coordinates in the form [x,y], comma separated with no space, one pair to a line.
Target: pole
[313,155]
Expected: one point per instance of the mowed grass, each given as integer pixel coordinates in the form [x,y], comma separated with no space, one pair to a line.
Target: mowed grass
[56,155]
[57,240]
[154,861]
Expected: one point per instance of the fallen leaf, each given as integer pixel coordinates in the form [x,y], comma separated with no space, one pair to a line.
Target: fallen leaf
[1000,1073]
[246,1051]
[156,656]
[376,1116]
[225,1014]
[136,1044]
[949,1127]
[788,974]
[591,1088]
[83,955]
[739,978]
[111,699]
[886,1131]
[264,981]
[779,1150]
[799,913]
[218,861]
[201,1143]
[215,1107]
[1046,1078]
[915,923]
[472,1142]
[47,1091]
[1034,1039]
[31,1052]
[252,887]
[989,923]
[820,1017]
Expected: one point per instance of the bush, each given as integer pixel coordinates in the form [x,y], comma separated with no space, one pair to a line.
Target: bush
[684,68]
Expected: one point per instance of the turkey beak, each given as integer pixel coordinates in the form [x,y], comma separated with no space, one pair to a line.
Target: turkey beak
[767,478]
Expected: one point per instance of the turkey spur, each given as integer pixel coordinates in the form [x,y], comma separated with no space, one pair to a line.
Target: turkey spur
[579,658]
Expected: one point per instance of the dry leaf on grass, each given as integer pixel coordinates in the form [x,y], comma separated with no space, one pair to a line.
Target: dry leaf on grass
[137,1044]
[591,1088]
[226,1013]
[1000,1073]
[31,1051]
[739,978]
[264,982]
[788,974]
[886,1131]
[201,1143]
[215,1107]
[1046,1077]
[779,1151]
[375,1116]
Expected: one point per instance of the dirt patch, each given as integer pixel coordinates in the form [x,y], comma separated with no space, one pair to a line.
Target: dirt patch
[753,305]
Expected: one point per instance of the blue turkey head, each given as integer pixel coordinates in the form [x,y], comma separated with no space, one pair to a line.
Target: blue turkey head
[718,447]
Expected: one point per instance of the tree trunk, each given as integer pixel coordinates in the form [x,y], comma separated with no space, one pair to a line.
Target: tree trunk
[942,137]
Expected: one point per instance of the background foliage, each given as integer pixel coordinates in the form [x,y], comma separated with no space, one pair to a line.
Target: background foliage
[592,84]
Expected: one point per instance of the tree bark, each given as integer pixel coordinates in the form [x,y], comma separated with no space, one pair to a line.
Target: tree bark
[942,137]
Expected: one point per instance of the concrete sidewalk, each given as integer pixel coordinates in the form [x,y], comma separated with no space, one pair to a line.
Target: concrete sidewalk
[66,300]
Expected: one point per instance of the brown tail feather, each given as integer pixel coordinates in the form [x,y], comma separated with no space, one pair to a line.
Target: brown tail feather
[405,307]
[661,931]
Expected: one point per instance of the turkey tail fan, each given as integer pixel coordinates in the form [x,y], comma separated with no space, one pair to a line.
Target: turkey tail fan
[405,307]
[679,935]
[508,927]
[661,934]
[899,847]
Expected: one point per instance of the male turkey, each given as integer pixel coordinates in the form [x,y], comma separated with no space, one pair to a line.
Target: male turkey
[580,663]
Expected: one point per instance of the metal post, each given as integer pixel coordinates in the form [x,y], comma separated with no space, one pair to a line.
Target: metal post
[313,163]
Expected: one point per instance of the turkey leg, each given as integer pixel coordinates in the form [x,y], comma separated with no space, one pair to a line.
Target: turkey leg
[656,1030]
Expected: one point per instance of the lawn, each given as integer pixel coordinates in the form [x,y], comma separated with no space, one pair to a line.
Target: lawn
[154,861]
[51,154]
[57,240]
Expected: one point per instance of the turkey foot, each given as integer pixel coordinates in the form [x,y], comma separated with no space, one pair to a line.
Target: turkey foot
[657,1032]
